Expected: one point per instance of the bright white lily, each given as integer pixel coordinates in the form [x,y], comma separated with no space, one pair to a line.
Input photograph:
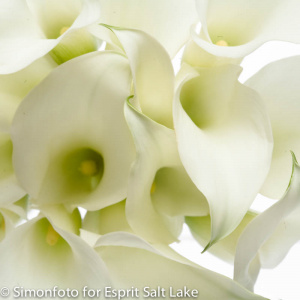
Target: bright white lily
[132,262]
[50,257]
[160,192]
[224,141]
[30,29]
[269,237]
[233,29]
[278,85]
[68,132]
[167,21]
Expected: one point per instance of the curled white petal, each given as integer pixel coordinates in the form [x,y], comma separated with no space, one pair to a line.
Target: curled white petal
[269,237]
[224,141]
[27,28]
[278,85]
[140,265]
[68,132]
[235,29]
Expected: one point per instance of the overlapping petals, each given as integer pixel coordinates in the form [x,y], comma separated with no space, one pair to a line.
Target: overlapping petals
[52,256]
[160,192]
[30,29]
[224,141]
[67,134]
[140,264]
[269,237]
[167,21]
[235,29]
[278,85]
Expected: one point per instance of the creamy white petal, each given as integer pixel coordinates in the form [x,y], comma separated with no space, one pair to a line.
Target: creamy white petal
[225,143]
[10,190]
[278,85]
[156,148]
[152,72]
[225,249]
[245,25]
[14,87]
[167,21]
[140,265]
[39,254]
[106,220]
[160,192]
[269,237]
[23,39]
[68,132]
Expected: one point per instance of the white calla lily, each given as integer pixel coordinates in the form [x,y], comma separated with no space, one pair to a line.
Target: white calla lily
[234,29]
[30,29]
[68,132]
[141,265]
[268,238]
[160,192]
[51,257]
[278,85]
[224,141]
[167,21]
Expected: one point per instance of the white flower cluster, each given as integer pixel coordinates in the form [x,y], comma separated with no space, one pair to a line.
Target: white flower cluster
[93,116]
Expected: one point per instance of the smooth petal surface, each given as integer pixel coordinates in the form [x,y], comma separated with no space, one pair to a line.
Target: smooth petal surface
[278,85]
[224,141]
[40,255]
[14,87]
[152,73]
[26,34]
[245,25]
[68,132]
[167,21]
[10,190]
[225,249]
[269,237]
[159,192]
[106,220]
[140,264]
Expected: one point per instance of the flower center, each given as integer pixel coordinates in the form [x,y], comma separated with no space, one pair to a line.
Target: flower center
[89,168]
[153,188]
[63,30]
[222,43]
[52,236]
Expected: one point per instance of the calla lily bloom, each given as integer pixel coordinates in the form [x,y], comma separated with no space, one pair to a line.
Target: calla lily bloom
[268,238]
[235,29]
[31,29]
[67,139]
[160,192]
[225,142]
[42,255]
[132,262]
[278,85]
